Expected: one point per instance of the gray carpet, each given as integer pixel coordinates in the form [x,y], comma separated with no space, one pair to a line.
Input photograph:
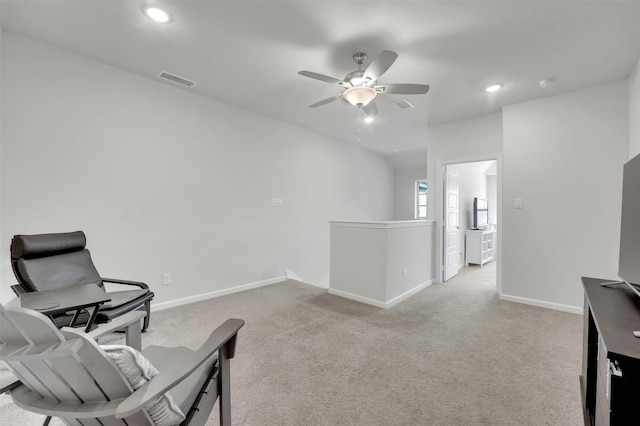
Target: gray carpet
[453,354]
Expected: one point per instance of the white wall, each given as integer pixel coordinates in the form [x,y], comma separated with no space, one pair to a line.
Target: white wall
[408,159]
[459,141]
[409,249]
[563,156]
[381,263]
[634,112]
[405,192]
[492,198]
[163,180]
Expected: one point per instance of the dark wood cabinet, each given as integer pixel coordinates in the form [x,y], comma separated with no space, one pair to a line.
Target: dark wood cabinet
[610,380]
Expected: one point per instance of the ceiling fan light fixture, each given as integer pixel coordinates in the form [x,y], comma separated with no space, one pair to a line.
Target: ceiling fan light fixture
[354,79]
[359,96]
[369,119]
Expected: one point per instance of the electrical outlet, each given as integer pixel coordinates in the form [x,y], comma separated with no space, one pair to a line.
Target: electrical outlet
[166,279]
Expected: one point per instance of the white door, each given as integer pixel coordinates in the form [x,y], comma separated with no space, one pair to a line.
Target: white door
[451,227]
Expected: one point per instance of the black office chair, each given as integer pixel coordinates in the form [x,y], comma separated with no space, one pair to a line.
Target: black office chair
[52,261]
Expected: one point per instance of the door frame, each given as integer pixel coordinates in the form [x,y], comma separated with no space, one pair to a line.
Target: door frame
[447,226]
[439,199]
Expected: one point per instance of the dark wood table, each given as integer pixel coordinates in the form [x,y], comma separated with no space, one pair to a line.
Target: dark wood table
[75,298]
[610,379]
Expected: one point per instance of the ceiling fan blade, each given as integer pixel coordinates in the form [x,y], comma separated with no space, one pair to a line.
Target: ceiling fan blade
[403,89]
[380,65]
[371,109]
[320,77]
[325,101]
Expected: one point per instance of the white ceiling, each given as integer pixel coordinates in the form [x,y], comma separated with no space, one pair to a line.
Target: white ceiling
[248,53]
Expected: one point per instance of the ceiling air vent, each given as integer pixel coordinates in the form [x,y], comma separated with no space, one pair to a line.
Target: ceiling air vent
[176,79]
[403,104]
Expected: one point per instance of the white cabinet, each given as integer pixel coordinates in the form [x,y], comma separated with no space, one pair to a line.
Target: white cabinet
[480,247]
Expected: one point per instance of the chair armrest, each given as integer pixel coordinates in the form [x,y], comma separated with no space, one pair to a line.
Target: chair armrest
[126,282]
[117,324]
[165,380]
[32,401]
[18,289]
[225,333]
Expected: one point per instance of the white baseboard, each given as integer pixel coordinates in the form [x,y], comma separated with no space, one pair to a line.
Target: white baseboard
[543,304]
[292,275]
[185,300]
[379,303]
[408,294]
[357,298]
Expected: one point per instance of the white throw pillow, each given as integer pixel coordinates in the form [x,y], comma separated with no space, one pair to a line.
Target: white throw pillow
[138,370]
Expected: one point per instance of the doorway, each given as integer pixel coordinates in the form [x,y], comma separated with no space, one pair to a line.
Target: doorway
[458,183]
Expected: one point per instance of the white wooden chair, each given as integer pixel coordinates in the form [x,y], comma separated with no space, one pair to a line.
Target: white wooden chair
[65,373]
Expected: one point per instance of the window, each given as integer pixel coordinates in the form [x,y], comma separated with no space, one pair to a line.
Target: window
[421,199]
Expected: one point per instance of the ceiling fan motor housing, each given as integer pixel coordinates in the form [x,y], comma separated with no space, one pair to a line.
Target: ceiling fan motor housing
[359,58]
[355,79]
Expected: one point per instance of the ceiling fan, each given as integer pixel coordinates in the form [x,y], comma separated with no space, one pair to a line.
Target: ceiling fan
[361,88]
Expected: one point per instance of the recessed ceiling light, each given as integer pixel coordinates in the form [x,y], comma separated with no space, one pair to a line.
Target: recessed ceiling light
[546,83]
[157,14]
[494,88]
[368,119]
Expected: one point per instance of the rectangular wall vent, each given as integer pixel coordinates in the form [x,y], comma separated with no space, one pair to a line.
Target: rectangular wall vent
[176,79]
[403,104]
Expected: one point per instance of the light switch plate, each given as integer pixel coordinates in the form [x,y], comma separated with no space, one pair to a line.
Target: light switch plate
[518,203]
